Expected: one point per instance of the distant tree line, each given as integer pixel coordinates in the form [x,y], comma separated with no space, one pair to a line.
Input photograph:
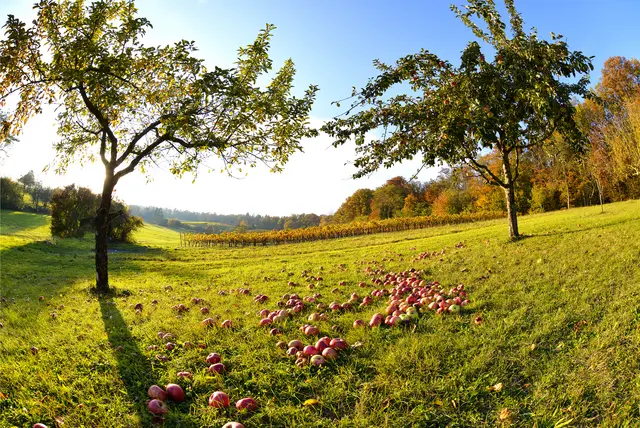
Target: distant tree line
[13,194]
[224,222]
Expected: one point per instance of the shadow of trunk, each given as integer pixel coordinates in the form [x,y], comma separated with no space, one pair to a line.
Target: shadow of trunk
[134,368]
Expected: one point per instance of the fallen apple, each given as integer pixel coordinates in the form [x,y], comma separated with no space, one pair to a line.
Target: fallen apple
[217,367]
[248,404]
[318,360]
[338,343]
[330,354]
[157,407]
[310,350]
[175,392]
[157,392]
[311,330]
[219,399]
[296,344]
[233,425]
[213,358]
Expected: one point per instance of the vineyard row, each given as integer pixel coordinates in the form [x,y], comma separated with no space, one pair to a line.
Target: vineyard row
[234,239]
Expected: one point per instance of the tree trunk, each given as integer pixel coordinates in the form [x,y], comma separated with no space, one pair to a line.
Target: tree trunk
[511,211]
[510,195]
[600,195]
[566,183]
[102,232]
[37,193]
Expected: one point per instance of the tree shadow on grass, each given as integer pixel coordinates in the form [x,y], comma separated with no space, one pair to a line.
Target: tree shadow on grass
[134,368]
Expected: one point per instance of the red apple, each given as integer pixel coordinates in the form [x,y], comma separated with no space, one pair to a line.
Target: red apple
[233,425]
[219,399]
[358,323]
[265,321]
[311,330]
[339,344]
[217,367]
[376,320]
[296,344]
[226,324]
[208,322]
[39,425]
[330,354]
[310,350]
[185,374]
[175,392]
[248,404]
[157,392]
[213,358]
[321,345]
[157,407]
[318,360]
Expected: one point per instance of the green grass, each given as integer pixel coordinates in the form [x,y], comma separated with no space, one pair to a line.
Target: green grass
[561,328]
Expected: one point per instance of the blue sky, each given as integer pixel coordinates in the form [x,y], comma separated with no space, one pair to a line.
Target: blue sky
[332,44]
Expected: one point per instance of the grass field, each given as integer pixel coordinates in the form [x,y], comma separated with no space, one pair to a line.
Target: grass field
[560,330]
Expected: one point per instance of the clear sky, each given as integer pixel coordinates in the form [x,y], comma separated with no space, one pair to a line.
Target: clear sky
[332,44]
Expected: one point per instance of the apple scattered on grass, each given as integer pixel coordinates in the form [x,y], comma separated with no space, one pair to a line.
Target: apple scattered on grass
[156,392]
[175,392]
[248,404]
[219,399]
[233,425]
[157,407]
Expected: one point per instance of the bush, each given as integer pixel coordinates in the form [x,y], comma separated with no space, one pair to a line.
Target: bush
[73,214]
[10,194]
[174,222]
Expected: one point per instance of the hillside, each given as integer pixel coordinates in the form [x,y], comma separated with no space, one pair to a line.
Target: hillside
[557,344]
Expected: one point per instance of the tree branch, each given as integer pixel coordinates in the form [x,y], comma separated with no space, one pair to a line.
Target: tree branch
[480,168]
[136,138]
[132,166]
[101,120]
[103,148]
[517,167]
[108,73]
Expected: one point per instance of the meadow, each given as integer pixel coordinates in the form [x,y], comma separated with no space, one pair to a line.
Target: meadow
[557,345]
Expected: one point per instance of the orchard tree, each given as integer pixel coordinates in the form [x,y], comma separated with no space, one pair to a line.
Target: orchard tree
[454,114]
[131,105]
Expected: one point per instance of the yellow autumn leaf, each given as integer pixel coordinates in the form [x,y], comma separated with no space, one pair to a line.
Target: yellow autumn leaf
[311,402]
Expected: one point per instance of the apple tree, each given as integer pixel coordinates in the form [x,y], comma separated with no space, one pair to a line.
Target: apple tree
[455,114]
[130,105]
